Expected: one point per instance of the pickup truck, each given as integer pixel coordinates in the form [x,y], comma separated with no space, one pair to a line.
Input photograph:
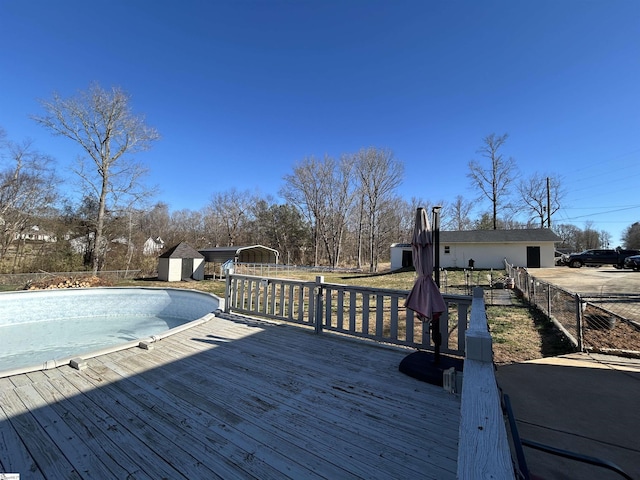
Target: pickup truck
[599,257]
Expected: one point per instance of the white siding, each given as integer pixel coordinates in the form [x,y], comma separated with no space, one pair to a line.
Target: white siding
[170,269]
[396,256]
[484,255]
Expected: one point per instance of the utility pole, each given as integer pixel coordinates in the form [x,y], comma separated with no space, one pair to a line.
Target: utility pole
[548,203]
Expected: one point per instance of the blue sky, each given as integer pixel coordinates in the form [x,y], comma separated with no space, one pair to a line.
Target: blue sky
[242,90]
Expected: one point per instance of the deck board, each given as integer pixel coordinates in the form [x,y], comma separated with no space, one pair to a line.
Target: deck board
[231,398]
[128,448]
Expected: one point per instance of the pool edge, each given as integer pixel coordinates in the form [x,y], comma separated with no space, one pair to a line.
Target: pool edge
[78,359]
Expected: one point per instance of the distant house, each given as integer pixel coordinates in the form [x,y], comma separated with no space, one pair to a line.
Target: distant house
[81,244]
[152,246]
[531,248]
[34,234]
[181,262]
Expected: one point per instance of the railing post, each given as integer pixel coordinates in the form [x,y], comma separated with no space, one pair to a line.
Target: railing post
[319,307]
[478,343]
[463,313]
[227,291]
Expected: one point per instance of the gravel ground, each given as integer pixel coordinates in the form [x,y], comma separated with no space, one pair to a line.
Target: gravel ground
[591,280]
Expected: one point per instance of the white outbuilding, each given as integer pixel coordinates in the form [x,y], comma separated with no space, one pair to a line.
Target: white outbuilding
[484,249]
[181,262]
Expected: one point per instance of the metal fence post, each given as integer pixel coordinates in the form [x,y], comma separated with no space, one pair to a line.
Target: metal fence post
[534,294]
[579,318]
[319,303]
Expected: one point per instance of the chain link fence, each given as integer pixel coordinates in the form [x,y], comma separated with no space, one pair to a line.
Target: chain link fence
[605,322]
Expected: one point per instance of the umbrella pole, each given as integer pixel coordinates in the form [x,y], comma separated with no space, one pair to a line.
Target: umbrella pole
[435,324]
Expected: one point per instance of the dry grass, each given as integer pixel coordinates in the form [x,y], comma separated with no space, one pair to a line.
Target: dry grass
[522,333]
[514,333]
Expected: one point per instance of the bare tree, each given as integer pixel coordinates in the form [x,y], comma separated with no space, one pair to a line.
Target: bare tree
[304,188]
[339,202]
[379,175]
[459,212]
[605,239]
[569,234]
[589,237]
[541,196]
[27,190]
[101,123]
[406,218]
[156,222]
[188,226]
[231,211]
[389,228]
[486,222]
[322,191]
[493,181]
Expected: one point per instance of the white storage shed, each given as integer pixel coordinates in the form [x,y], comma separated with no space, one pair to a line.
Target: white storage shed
[181,262]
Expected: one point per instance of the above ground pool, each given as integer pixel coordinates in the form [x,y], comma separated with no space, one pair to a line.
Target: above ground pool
[48,328]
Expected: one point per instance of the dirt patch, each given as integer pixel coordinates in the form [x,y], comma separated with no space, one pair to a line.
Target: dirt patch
[621,336]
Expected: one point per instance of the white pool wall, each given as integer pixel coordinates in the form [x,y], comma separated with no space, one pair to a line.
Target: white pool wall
[38,305]
[59,304]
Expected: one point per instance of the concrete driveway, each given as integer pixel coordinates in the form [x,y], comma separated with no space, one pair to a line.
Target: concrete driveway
[590,280]
[581,402]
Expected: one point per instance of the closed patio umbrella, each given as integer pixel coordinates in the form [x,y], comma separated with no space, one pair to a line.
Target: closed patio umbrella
[425,298]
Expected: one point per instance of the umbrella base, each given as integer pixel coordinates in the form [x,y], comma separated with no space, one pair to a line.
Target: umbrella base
[421,365]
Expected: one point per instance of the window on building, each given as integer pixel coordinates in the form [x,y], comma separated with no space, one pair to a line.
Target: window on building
[447,249]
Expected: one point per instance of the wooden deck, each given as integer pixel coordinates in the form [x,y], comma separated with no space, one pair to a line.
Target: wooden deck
[231,398]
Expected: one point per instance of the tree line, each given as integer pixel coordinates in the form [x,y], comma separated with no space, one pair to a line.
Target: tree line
[334,211]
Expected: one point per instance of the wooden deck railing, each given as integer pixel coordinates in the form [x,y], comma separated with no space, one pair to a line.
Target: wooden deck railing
[483,445]
[374,313]
[379,314]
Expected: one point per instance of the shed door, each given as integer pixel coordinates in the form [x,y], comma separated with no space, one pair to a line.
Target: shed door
[533,257]
[407,259]
[187,267]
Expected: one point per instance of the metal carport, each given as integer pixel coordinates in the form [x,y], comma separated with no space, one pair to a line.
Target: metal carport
[246,254]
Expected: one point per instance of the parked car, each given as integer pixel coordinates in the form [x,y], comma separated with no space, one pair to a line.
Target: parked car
[598,257]
[632,262]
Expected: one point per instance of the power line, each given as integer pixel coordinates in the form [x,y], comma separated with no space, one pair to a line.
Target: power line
[621,209]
